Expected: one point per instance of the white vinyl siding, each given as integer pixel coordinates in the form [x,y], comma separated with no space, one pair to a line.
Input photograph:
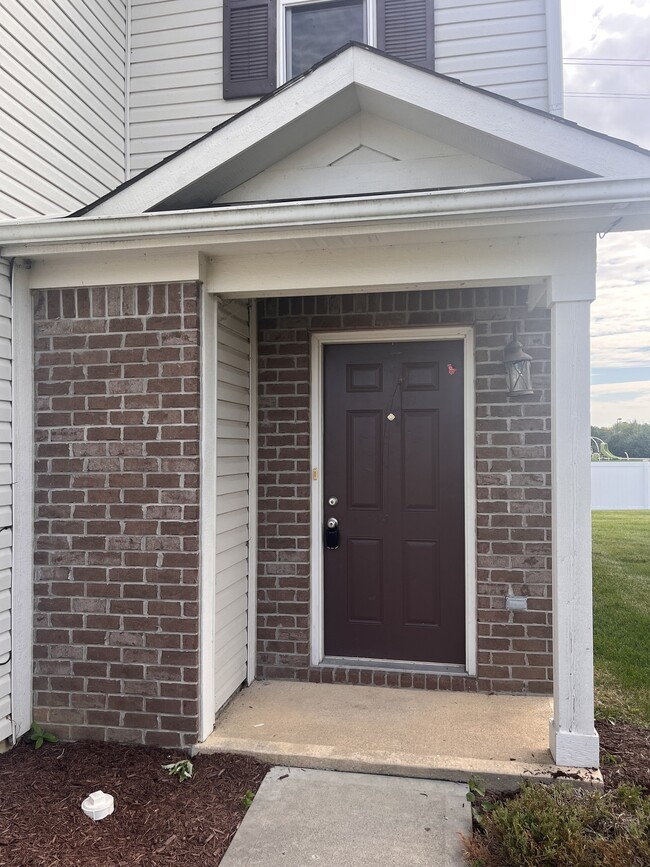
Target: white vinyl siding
[501,46]
[233,434]
[176,77]
[62,103]
[5,501]
[176,64]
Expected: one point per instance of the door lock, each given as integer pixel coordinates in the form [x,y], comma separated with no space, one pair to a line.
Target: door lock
[332,536]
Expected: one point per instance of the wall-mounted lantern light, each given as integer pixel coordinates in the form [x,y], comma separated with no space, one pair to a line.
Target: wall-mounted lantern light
[517,367]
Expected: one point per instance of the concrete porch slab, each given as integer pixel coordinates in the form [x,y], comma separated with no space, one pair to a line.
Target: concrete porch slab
[303,817]
[407,733]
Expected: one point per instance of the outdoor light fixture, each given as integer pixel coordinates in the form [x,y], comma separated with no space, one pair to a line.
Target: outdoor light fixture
[517,367]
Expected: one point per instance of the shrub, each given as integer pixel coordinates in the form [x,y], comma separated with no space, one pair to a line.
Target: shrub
[559,826]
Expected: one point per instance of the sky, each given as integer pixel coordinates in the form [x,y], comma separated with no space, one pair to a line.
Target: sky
[607,51]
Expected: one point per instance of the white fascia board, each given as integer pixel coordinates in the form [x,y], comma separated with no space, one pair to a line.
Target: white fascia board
[489,122]
[595,201]
[497,118]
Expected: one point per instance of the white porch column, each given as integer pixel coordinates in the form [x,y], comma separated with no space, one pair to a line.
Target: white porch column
[573,739]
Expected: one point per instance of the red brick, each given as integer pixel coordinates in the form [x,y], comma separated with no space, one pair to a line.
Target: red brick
[110,478]
[506,433]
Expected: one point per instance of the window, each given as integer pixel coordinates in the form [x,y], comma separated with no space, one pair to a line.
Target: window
[267,42]
[309,31]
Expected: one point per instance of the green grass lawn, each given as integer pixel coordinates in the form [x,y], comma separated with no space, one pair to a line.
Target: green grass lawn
[621,561]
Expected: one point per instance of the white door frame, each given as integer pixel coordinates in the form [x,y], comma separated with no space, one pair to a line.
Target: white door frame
[390,335]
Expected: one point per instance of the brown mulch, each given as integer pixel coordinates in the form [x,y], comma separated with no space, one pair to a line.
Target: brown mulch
[158,822]
[624,754]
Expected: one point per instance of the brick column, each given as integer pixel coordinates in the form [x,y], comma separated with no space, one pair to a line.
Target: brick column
[117,493]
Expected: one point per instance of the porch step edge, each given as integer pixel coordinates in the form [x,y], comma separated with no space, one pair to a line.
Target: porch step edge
[496,775]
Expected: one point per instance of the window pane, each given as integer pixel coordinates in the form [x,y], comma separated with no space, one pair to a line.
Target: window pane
[314,30]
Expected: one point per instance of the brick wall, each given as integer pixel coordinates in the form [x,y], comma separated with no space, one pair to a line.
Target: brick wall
[513,483]
[117,493]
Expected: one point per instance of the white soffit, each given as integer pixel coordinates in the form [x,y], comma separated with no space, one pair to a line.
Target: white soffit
[493,129]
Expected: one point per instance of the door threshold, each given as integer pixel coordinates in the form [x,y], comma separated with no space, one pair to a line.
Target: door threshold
[393,665]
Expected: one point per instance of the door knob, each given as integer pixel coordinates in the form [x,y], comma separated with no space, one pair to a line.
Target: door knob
[332,536]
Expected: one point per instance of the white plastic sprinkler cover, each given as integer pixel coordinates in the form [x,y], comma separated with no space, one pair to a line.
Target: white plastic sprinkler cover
[98,805]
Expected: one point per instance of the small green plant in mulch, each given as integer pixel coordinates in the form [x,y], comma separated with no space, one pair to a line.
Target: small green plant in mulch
[247,800]
[560,826]
[183,770]
[608,759]
[476,796]
[39,736]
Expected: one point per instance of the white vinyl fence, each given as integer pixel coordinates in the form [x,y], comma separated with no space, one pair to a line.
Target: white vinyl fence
[620,485]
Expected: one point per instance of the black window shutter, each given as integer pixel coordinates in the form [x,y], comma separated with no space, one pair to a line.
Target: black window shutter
[405,30]
[248,48]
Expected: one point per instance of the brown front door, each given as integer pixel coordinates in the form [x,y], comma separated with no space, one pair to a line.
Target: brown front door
[393,460]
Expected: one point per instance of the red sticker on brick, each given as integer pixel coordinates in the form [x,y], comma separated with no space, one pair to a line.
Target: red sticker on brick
[451,369]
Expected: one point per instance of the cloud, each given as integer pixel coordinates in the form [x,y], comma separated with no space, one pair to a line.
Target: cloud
[611,402]
[622,31]
[621,314]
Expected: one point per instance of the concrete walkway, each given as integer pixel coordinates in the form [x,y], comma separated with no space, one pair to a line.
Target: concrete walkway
[302,817]
[410,733]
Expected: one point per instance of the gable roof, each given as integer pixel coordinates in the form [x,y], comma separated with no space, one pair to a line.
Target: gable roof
[358,78]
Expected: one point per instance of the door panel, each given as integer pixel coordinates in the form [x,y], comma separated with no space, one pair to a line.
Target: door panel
[364,459]
[394,459]
[365,579]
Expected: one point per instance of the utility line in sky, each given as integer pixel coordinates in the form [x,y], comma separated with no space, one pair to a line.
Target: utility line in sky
[604,61]
[608,95]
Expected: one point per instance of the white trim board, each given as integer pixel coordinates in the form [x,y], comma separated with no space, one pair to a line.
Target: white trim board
[208,515]
[252,499]
[318,342]
[283,6]
[23,497]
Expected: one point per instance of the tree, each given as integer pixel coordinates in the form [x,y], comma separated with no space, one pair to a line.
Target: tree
[626,437]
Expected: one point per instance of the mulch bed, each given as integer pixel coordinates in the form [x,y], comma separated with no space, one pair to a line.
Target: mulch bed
[624,754]
[158,821]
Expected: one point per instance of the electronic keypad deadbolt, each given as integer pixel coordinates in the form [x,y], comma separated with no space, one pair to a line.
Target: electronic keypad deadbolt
[332,537]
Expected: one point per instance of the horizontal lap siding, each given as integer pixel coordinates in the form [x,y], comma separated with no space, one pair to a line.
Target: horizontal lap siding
[176,77]
[177,64]
[5,502]
[233,432]
[501,46]
[62,101]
